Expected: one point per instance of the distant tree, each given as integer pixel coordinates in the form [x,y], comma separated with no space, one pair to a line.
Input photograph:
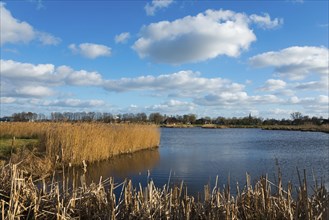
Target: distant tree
[220,120]
[296,115]
[25,116]
[297,118]
[156,118]
[192,118]
[141,117]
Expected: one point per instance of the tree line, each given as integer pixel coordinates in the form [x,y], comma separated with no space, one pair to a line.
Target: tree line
[296,118]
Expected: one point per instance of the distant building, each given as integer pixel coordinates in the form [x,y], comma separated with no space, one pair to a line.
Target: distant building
[6,119]
[202,121]
[324,121]
[170,121]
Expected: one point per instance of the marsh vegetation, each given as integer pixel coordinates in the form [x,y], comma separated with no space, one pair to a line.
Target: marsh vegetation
[24,195]
[21,198]
[76,142]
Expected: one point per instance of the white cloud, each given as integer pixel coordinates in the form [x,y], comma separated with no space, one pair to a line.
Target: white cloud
[196,38]
[235,98]
[182,83]
[172,107]
[122,38]
[26,71]
[311,105]
[79,77]
[34,91]
[47,74]
[7,100]
[265,21]
[309,101]
[155,5]
[48,39]
[73,103]
[295,63]
[322,85]
[280,112]
[26,79]
[14,31]
[90,50]
[273,84]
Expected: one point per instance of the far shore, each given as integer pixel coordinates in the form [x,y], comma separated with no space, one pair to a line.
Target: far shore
[308,128]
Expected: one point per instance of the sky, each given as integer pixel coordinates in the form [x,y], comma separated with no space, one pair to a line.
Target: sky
[210,58]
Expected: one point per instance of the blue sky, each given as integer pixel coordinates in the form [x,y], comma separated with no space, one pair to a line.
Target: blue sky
[211,58]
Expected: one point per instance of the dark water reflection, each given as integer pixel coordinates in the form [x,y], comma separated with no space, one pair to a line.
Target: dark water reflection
[123,166]
[197,155]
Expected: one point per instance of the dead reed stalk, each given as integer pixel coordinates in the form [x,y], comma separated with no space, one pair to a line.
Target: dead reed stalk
[20,198]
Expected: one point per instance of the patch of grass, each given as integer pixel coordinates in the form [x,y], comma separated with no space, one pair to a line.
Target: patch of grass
[9,144]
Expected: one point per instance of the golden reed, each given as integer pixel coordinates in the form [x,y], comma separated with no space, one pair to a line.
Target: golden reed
[75,142]
[22,198]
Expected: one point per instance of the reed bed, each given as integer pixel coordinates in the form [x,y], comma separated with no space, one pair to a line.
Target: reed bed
[73,143]
[20,198]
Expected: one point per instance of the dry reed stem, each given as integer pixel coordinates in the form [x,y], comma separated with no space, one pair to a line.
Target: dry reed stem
[20,198]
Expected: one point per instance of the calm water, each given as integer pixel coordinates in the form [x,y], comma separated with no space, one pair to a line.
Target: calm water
[197,156]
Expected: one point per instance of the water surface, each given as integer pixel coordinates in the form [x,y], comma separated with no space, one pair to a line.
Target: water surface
[197,156]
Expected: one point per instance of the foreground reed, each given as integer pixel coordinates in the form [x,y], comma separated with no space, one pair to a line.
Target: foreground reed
[20,198]
[73,143]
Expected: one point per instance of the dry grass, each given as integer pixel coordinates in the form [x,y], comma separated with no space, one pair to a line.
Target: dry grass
[73,143]
[20,198]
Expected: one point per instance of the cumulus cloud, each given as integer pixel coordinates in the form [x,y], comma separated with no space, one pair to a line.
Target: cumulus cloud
[173,106]
[26,79]
[122,38]
[79,77]
[273,84]
[47,73]
[15,31]
[182,82]
[151,8]
[311,105]
[198,38]
[295,63]
[34,91]
[265,21]
[235,98]
[90,50]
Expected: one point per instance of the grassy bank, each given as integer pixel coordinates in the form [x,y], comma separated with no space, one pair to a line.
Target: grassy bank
[312,128]
[9,145]
[20,198]
[73,143]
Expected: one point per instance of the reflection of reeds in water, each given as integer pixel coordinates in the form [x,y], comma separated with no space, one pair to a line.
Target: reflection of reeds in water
[76,142]
[20,198]
[123,165]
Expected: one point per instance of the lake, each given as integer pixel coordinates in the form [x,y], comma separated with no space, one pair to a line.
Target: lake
[197,156]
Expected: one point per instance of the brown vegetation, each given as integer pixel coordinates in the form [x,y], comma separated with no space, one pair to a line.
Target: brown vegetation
[309,127]
[76,142]
[20,198]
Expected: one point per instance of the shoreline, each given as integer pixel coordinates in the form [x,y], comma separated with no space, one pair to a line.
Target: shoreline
[303,128]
